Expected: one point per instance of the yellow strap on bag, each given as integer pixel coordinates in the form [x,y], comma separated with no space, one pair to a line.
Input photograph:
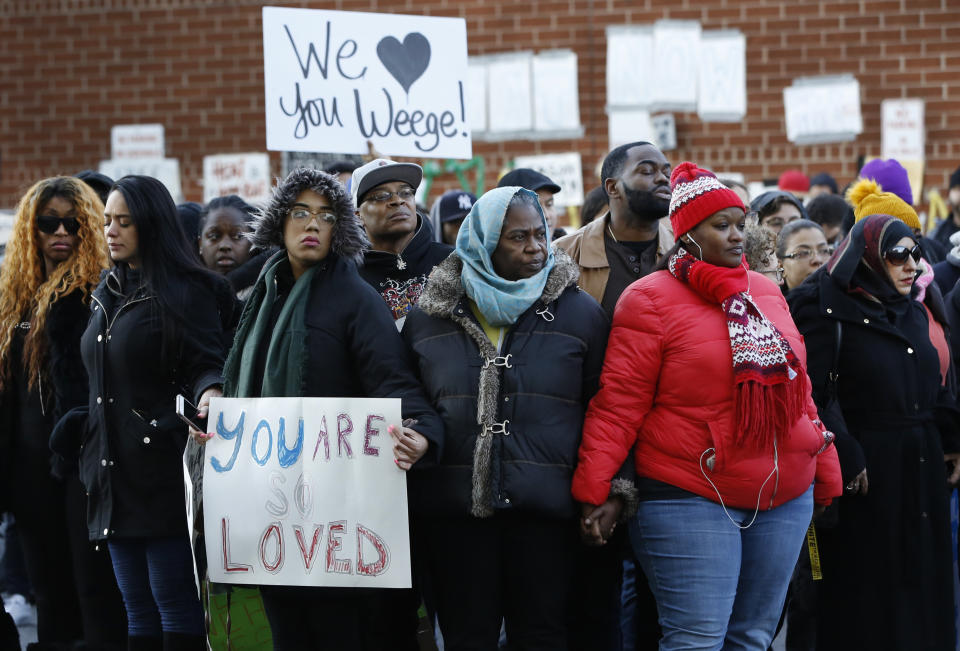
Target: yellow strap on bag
[814,553]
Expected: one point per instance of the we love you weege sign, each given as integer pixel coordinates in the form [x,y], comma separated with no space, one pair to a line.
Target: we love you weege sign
[337,79]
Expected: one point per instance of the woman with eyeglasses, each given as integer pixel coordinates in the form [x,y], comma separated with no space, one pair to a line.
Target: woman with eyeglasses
[155,330]
[312,327]
[881,371]
[53,261]
[801,249]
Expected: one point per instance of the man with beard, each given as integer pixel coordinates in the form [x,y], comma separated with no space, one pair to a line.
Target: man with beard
[402,248]
[626,243]
[613,251]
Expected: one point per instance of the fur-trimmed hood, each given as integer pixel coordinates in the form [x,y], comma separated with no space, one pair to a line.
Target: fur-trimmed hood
[445,290]
[349,240]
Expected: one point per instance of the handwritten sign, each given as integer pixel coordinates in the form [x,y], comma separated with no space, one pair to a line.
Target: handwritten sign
[722,67]
[823,109]
[556,93]
[137,141]
[166,170]
[676,46]
[510,92]
[566,170]
[629,125]
[246,175]
[629,84]
[304,491]
[336,79]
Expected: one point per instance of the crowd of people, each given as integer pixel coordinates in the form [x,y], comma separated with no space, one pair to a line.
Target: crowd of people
[695,417]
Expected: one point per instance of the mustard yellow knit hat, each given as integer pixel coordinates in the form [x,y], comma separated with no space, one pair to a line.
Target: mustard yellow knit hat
[868,198]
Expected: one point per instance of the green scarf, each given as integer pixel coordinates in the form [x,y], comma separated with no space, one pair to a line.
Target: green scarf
[286,354]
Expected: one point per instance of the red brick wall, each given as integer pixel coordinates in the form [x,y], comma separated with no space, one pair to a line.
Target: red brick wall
[70,69]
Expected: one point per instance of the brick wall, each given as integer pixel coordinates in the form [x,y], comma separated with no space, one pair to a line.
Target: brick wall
[70,69]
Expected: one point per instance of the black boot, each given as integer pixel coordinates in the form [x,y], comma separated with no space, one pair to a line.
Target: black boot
[144,643]
[184,642]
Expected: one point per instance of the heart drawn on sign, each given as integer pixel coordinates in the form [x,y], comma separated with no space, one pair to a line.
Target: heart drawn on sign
[406,61]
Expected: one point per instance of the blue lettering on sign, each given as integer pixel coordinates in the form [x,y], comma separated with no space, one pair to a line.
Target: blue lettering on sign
[263,424]
[237,433]
[288,456]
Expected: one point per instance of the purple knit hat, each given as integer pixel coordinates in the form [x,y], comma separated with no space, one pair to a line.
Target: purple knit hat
[891,176]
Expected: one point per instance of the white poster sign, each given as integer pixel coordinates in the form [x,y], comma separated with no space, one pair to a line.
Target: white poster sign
[246,175]
[510,93]
[629,125]
[556,95]
[304,491]
[722,67]
[565,170]
[629,84]
[337,79]
[901,131]
[676,55]
[477,94]
[823,109]
[166,170]
[137,141]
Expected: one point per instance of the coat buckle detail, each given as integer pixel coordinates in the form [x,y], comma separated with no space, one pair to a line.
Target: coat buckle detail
[496,428]
[499,361]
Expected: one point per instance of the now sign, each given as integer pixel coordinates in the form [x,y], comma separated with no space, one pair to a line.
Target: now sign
[304,491]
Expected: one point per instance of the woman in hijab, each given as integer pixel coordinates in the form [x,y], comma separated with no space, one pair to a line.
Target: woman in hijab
[509,352]
[880,365]
[705,382]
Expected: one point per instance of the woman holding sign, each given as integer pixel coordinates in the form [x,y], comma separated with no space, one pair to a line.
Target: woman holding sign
[327,333]
[155,331]
[510,351]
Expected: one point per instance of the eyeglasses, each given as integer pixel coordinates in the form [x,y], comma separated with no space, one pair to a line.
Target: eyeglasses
[898,254]
[302,214]
[383,196]
[805,253]
[50,224]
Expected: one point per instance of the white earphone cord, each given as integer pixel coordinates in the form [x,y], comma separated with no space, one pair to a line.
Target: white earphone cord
[775,471]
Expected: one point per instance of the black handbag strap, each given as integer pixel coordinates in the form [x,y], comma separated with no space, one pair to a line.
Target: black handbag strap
[833,375]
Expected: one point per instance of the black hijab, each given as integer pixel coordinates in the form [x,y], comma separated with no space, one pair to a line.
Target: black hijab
[858,266]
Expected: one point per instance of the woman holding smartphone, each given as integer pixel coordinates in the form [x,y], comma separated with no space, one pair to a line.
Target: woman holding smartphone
[155,331]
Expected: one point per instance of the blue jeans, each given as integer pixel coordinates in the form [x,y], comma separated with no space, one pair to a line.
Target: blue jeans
[718,586]
[155,576]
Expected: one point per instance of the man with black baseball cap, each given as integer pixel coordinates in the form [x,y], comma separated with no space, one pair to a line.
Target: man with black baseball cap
[453,208]
[402,248]
[545,188]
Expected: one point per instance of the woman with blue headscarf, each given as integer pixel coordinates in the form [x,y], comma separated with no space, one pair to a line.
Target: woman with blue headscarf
[509,352]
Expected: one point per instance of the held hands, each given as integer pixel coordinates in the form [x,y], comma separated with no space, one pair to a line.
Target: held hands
[409,446]
[202,409]
[597,523]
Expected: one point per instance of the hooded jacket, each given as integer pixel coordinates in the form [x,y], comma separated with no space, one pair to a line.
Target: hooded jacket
[400,279]
[535,389]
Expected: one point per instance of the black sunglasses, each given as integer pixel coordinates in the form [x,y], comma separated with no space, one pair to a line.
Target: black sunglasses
[898,254]
[49,224]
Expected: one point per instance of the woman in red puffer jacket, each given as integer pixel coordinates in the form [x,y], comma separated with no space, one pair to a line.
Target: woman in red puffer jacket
[705,379]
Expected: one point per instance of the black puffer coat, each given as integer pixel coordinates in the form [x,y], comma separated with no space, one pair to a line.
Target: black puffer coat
[887,564]
[131,461]
[547,370]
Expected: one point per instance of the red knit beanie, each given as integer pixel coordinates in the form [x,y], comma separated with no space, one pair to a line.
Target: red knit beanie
[697,194]
[794,181]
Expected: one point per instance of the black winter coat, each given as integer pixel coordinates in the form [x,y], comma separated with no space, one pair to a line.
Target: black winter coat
[353,349]
[887,568]
[549,367]
[131,459]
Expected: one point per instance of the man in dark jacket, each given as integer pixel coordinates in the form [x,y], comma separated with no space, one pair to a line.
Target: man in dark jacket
[402,248]
[951,224]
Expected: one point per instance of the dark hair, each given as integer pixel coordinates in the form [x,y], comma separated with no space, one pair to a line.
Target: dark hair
[341,167]
[731,183]
[190,213]
[789,229]
[228,201]
[613,163]
[593,202]
[827,209]
[773,206]
[167,261]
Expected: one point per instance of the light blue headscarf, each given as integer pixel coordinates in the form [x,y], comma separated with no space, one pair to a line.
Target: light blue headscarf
[500,301]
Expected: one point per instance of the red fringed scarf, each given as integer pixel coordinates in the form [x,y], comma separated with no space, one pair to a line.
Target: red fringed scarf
[768,377]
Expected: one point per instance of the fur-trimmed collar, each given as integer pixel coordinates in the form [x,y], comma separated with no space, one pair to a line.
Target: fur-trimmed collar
[444,289]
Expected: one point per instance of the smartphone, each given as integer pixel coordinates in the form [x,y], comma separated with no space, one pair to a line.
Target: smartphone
[187,412]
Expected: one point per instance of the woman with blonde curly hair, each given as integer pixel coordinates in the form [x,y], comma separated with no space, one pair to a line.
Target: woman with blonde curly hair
[53,261]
